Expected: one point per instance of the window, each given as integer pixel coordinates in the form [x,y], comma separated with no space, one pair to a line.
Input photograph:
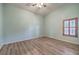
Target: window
[70,27]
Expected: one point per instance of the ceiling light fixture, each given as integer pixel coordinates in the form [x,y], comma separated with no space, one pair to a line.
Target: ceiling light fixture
[40,5]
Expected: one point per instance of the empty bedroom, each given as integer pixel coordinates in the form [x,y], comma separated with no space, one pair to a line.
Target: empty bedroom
[39,28]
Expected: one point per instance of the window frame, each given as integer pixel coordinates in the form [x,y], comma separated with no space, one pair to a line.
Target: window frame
[76,27]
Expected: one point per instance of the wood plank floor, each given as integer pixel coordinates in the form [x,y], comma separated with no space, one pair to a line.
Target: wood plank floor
[40,46]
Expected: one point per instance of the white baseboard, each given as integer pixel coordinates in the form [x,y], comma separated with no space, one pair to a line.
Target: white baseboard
[63,40]
[22,39]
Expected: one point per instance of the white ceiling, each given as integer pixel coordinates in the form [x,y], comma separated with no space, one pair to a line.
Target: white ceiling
[42,11]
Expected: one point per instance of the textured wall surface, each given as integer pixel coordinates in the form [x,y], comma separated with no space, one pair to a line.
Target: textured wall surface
[1,33]
[54,22]
[20,24]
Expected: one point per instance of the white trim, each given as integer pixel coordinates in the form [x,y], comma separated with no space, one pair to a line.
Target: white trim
[22,39]
[64,40]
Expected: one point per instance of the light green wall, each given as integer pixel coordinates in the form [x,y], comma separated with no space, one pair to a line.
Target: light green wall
[1,33]
[54,22]
[20,24]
